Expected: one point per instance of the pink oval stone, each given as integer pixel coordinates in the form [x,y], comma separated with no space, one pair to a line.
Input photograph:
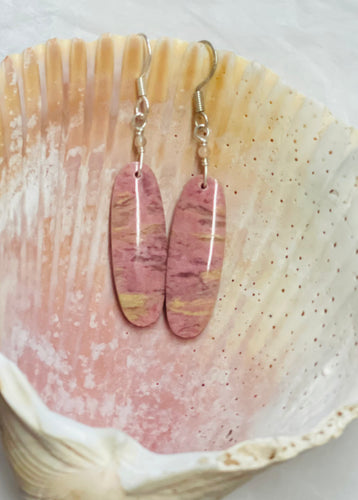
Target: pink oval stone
[138,244]
[195,257]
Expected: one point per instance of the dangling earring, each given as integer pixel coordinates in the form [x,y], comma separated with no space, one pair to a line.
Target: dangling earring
[137,226]
[197,237]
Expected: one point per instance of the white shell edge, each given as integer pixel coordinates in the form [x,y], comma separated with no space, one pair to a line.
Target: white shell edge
[54,456]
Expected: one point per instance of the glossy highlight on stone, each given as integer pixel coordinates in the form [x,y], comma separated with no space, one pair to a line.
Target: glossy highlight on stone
[138,244]
[195,257]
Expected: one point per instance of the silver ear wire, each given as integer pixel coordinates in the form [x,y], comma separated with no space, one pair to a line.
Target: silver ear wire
[146,63]
[142,106]
[198,96]
[201,129]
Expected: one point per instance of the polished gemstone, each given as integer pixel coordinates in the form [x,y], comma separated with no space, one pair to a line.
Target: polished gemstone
[195,257]
[138,244]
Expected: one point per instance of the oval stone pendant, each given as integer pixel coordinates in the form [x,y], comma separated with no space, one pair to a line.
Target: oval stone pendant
[195,256]
[138,244]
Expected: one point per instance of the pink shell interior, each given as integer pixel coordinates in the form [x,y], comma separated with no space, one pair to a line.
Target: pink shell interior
[271,360]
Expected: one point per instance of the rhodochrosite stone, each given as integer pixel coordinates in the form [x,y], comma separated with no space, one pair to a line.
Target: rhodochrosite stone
[138,244]
[195,257]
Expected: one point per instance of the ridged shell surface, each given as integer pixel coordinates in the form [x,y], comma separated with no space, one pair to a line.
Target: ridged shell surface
[280,353]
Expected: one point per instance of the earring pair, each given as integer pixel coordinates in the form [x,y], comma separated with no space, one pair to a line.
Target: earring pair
[146,267]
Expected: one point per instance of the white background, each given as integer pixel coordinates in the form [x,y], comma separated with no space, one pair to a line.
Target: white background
[313,46]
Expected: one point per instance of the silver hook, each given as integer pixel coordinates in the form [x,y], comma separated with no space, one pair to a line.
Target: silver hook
[213,66]
[146,63]
[198,95]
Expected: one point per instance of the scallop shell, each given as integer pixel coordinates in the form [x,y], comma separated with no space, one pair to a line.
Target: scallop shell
[90,407]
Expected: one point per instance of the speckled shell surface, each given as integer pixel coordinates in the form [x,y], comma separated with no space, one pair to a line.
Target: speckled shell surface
[275,370]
